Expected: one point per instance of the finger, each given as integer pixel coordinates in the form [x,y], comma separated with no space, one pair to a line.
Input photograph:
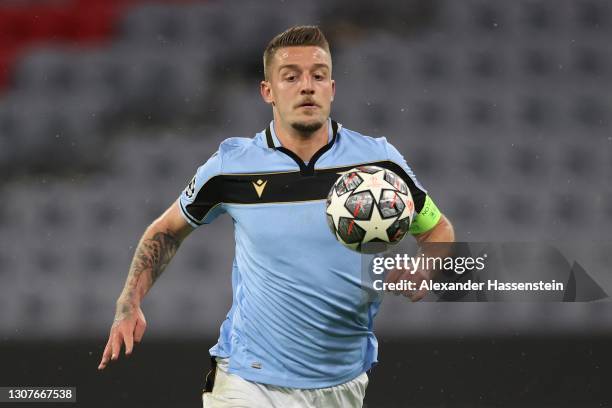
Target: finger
[128,339]
[105,356]
[139,330]
[394,275]
[116,345]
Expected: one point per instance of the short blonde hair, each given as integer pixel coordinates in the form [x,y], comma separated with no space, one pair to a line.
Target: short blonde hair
[294,37]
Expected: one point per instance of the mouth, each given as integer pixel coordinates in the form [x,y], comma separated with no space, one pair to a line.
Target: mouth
[308,105]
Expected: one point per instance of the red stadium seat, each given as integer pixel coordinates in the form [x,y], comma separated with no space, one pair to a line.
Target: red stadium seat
[89,22]
[7,58]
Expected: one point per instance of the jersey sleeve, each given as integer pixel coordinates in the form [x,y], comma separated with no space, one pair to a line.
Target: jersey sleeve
[427,213]
[200,201]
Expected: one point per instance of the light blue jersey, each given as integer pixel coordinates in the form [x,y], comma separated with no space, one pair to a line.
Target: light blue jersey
[298,317]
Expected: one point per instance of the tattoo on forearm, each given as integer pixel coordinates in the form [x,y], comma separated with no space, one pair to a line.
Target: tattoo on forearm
[155,253]
[150,259]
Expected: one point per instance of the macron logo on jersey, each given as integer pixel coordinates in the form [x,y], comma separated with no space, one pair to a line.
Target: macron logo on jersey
[259,186]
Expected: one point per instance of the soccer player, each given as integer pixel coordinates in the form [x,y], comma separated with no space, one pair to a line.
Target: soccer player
[299,333]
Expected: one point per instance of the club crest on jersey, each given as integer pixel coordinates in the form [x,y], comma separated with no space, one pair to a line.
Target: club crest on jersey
[190,188]
[259,186]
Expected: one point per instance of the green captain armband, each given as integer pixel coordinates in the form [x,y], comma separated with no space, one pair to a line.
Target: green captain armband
[426,219]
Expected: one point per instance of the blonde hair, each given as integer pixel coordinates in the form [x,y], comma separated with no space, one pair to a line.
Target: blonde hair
[294,37]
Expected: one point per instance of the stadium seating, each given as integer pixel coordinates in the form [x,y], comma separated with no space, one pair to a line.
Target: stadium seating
[502,108]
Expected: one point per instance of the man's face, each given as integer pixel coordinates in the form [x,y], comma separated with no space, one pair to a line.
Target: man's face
[300,87]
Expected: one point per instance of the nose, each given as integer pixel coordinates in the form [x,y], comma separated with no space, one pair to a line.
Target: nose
[307,88]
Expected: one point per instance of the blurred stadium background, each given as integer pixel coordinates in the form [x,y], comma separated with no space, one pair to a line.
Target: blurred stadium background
[107,107]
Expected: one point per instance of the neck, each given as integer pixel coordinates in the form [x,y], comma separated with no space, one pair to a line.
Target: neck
[304,145]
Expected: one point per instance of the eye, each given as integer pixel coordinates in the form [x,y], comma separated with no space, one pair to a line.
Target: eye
[290,78]
[319,77]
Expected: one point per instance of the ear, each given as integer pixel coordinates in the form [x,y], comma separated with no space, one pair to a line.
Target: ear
[333,83]
[266,92]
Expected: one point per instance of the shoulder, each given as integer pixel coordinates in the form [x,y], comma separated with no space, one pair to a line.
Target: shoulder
[374,144]
[375,148]
[236,145]
[231,150]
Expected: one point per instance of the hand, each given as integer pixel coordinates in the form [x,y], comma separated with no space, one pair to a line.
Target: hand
[129,327]
[398,275]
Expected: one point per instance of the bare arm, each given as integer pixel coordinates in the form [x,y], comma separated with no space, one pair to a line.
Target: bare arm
[442,232]
[154,252]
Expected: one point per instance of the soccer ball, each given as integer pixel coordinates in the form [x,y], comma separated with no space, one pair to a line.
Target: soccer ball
[369,208]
